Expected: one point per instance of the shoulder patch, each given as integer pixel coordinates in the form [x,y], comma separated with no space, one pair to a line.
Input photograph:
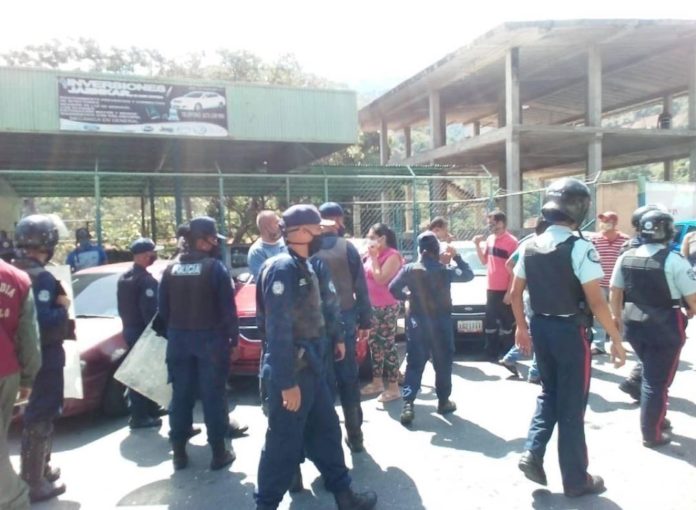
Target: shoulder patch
[44,296]
[332,287]
[691,274]
[150,293]
[278,288]
[593,256]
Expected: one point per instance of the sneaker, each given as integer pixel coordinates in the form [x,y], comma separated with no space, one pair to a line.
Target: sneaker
[408,413]
[446,407]
[632,388]
[660,441]
[533,468]
[511,366]
[534,379]
[594,485]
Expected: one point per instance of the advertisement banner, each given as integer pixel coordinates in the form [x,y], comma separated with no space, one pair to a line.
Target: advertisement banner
[138,107]
[679,198]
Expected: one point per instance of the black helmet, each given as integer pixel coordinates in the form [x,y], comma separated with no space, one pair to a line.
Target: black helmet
[36,231]
[638,213]
[566,199]
[657,226]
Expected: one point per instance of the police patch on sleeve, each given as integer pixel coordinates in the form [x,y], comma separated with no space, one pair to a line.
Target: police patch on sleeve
[44,296]
[458,272]
[150,293]
[278,288]
[691,274]
[332,287]
[593,256]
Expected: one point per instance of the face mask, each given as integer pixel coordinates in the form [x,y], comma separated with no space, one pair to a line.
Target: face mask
[315,245]
[152,259]
[84,243]
[341,231]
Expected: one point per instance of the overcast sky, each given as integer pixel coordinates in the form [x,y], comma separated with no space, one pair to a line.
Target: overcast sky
[367,44]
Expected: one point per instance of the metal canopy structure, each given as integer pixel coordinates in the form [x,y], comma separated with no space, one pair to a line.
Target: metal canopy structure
[540,96]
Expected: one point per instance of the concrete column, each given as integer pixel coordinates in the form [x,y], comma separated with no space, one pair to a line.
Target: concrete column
[513,174]
[668,170]
[384,143]
[477,127]
[407,141]
[438,126]
[593,112]
[692,113]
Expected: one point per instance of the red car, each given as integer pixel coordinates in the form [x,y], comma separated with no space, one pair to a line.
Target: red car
[101,343]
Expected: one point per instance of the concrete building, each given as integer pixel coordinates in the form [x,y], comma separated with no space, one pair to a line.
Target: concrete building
[535,97]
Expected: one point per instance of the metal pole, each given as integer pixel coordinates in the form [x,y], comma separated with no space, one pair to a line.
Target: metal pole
[415,212]
[97,202]
[153,216]
[221,198]
[177,185]
[287,190]
[142,215]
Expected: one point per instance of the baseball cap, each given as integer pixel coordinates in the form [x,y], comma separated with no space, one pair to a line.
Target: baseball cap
[304,214]
[428,241]
[608,216]
[143,245]
[331,210]
[203,226]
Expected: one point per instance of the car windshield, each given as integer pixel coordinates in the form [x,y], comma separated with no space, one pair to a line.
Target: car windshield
[194,94]
[468,253]
[95,294]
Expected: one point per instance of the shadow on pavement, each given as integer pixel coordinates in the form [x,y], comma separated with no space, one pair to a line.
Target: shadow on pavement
[546,500]
[192,491]
[682,448]
[472,373]
[599,404]
[146,447]
[682,405]
[57,504]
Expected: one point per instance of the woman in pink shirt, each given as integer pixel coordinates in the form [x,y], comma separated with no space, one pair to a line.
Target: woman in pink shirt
[382,263]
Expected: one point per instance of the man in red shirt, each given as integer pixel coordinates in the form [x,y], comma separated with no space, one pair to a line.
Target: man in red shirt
[608,242]
[500,322]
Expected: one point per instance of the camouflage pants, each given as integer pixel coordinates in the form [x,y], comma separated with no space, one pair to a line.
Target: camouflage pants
[383,342]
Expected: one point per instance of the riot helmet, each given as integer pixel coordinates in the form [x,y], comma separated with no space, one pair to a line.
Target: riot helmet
[657,227]
[37,232]
[638,213]
[566,200]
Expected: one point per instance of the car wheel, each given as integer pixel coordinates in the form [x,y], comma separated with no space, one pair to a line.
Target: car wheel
[115,401]
[198,107]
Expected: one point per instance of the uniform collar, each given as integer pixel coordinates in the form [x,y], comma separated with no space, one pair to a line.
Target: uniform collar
[559,228]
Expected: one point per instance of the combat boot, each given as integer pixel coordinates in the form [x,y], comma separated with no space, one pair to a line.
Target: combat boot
[349,500]
[33,463]
[180,458]
[408,413]
[222,457]
[353,422]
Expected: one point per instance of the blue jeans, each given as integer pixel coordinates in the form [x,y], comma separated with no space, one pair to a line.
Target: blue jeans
[515,354]
[599,333]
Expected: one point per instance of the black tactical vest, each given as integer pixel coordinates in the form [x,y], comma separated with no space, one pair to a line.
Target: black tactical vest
[430,294]
[553,287]
[336,260]
[645,282]
[192,301]
[307,315]
[49,334]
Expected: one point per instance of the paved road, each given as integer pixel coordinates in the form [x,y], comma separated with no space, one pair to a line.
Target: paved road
[467,460]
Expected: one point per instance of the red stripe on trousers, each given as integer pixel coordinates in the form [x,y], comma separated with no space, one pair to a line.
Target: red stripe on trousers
[672,372]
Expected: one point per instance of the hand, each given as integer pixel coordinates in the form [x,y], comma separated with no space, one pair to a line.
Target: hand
[617,353]
[363,335]
[339,351]
[523,340]
[507,299]
[63,300]
[372,250]
[292,399]
[689,313]
[477,239]
[23,394]
[445,258]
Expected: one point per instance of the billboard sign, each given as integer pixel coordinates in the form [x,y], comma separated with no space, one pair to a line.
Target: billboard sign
[678,197]
[139,107]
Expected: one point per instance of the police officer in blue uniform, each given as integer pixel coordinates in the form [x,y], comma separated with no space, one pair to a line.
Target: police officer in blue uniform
[36,237]
[429,331]
[563,274]
[196,302]
[347,273]
[301,416]
[651,280]
[136,294]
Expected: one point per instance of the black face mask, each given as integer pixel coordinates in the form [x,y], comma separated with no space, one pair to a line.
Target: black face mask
[216,252]
[152,259]
[315,245]
[341,231]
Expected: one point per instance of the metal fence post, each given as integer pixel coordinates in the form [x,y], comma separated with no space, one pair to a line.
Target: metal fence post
[97,202]
[221,197]
[287,190]
[153,216]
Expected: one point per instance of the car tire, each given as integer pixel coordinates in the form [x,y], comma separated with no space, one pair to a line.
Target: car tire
[114,401]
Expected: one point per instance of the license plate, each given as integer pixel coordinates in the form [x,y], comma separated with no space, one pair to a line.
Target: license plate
[470,326]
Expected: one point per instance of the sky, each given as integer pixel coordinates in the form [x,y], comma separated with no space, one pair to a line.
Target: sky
[368,45]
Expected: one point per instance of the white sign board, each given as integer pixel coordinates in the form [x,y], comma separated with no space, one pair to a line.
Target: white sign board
[678,197]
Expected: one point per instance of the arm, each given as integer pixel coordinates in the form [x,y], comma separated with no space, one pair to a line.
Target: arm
[147,299]
[523,339]
[278,294]
[385,273]
[162,299]
[47,312]
[616,299]
[399,284]
[481,252]
[362,299]
[463,272]
[222,283]
[685,250]
[691,301]
[70,260]
[28,352]
[598,304]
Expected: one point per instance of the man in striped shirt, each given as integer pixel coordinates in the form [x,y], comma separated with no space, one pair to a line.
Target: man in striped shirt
[608,242]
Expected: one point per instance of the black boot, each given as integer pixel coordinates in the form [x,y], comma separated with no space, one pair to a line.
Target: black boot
[408,413]
[296,485]
[33,463]
[222,457]
[180,458]
[349,500]
[52,474]
[354,435]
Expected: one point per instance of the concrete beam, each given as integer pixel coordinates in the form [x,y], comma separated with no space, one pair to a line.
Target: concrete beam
[438,126]
[384,143]
[513,174]
[407,141]
[477,127]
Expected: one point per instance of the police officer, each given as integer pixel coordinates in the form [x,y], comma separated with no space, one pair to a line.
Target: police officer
[36,237]
[563,274]
[20,360]
[631,385]
[86,253]
[137,305]
[301,415]
[348,276]
[426,285]
[652,279]
[196,302]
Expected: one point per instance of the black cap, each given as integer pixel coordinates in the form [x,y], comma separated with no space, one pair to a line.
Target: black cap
[203,226]
[303,214]
[331,210]
[428,241]
[143,245]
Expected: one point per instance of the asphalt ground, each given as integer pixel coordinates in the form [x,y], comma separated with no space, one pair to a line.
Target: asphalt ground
[465,460]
